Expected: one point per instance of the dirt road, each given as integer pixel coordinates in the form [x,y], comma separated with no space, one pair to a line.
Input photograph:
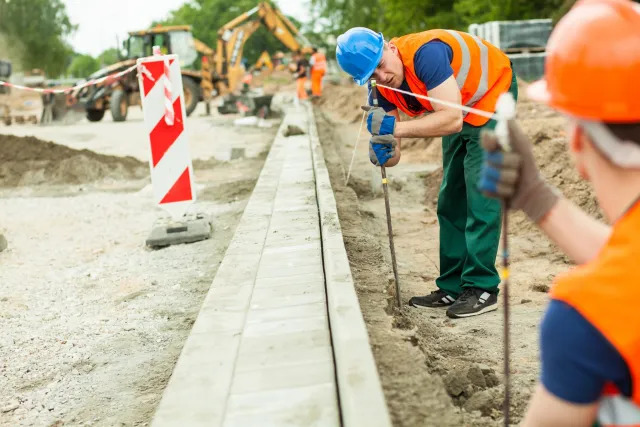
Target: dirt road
[433,368]
[92,322]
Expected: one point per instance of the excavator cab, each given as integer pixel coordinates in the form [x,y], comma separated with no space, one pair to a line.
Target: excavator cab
[171,40]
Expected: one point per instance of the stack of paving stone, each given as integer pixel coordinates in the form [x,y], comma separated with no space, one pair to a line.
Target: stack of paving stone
[524,42]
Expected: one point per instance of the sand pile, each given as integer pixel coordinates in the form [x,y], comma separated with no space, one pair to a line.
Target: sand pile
[30,161]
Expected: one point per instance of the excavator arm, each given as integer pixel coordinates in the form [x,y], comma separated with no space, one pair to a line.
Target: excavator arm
[233,35]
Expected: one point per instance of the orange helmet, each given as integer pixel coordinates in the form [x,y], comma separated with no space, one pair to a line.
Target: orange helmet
[593,63]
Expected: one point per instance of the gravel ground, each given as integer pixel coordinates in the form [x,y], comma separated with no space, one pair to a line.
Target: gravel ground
[92,321]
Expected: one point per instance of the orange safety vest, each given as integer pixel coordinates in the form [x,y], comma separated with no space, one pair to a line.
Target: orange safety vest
[482,71]
[320,62]
[601,292]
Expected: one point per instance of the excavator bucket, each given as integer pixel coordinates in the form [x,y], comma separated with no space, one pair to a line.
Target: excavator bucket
[56,109]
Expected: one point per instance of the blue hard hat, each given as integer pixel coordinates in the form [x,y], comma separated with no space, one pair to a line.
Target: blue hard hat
[358,52]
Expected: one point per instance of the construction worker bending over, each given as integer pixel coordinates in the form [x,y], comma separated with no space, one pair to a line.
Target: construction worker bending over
[318,69]
[590,333]
[459,68]
[301,77]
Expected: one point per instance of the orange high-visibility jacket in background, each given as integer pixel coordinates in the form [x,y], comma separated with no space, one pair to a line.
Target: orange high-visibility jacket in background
[319,62]
[482,71]
[602,291]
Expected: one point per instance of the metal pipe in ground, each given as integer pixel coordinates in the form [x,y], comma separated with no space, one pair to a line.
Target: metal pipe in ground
[390,229]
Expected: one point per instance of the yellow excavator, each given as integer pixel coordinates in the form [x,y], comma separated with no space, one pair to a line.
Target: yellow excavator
[232,37]
[220,73]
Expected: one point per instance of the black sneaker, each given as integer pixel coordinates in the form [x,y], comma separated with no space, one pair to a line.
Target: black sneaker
[472,302]
[435,299]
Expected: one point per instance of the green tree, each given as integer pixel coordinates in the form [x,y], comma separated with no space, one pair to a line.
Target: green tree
[36,29]
[207,16]
[108,57]
[83,66]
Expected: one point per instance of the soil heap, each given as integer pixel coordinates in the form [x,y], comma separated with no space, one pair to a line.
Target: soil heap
[31,161]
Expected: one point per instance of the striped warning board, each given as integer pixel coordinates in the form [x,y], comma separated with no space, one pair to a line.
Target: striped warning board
[163,105]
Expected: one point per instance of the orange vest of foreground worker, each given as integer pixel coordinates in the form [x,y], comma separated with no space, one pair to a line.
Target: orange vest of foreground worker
[482,71]
[601,292]
[319,62]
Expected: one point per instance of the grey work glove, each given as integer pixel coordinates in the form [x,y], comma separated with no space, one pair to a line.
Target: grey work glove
[514,175]
[378,121]
[381,149]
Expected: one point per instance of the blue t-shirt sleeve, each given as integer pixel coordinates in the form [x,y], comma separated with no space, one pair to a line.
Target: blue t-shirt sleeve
[577,360]
[432,63]
[382,101]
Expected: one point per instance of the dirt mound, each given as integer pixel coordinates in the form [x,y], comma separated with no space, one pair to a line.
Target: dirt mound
[344,101]
[31,161]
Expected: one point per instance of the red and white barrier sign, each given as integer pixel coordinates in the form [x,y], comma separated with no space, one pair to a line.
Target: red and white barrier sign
[163,105]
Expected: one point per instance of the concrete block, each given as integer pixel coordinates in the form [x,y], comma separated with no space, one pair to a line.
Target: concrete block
[282,377]
[287,313]
[289,300]
[264,294]
[290,260]
[282,271]
[197,390]
[237,270]
[313,406]
[259,352]
[211,320]
[229,298]
[295,280]
[274,250]
[247,242]
[336,265]
[288,326]
[190,230]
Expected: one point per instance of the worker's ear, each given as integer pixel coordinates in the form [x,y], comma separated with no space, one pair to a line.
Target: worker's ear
[578,138]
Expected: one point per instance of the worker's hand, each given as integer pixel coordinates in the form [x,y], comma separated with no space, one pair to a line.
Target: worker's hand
[379,122]
[381,149]
[514,175]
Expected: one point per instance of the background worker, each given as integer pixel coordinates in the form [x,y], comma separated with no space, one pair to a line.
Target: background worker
[318,64]
[302,66]
[590,334]
[462,69]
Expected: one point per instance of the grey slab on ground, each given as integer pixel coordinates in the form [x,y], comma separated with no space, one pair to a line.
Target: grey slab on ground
[189,230]
[263,350]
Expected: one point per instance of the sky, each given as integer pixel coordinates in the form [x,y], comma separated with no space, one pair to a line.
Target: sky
[98,25]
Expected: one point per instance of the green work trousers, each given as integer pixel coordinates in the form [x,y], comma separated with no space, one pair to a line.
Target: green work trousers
[470,223]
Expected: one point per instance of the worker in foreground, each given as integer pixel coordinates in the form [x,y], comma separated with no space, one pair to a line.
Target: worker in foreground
[590,334]
[462,69]
[300,73]
[318,64]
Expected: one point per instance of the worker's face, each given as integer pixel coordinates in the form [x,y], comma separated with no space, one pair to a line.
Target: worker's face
[390,71]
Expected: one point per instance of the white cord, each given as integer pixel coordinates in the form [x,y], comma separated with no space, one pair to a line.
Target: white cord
[447,103]
[355,148]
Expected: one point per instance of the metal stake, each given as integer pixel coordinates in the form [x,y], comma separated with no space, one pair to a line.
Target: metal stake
[374,91]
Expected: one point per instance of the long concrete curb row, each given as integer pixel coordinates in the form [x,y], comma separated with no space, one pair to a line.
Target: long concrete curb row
[280,338]
[199,387]
[362,401]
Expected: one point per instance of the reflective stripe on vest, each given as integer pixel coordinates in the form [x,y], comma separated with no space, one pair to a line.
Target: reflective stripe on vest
[481,70]
[618,411]
[463,73]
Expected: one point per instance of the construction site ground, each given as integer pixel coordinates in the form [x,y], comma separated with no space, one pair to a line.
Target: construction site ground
[92,321]
[433,368]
